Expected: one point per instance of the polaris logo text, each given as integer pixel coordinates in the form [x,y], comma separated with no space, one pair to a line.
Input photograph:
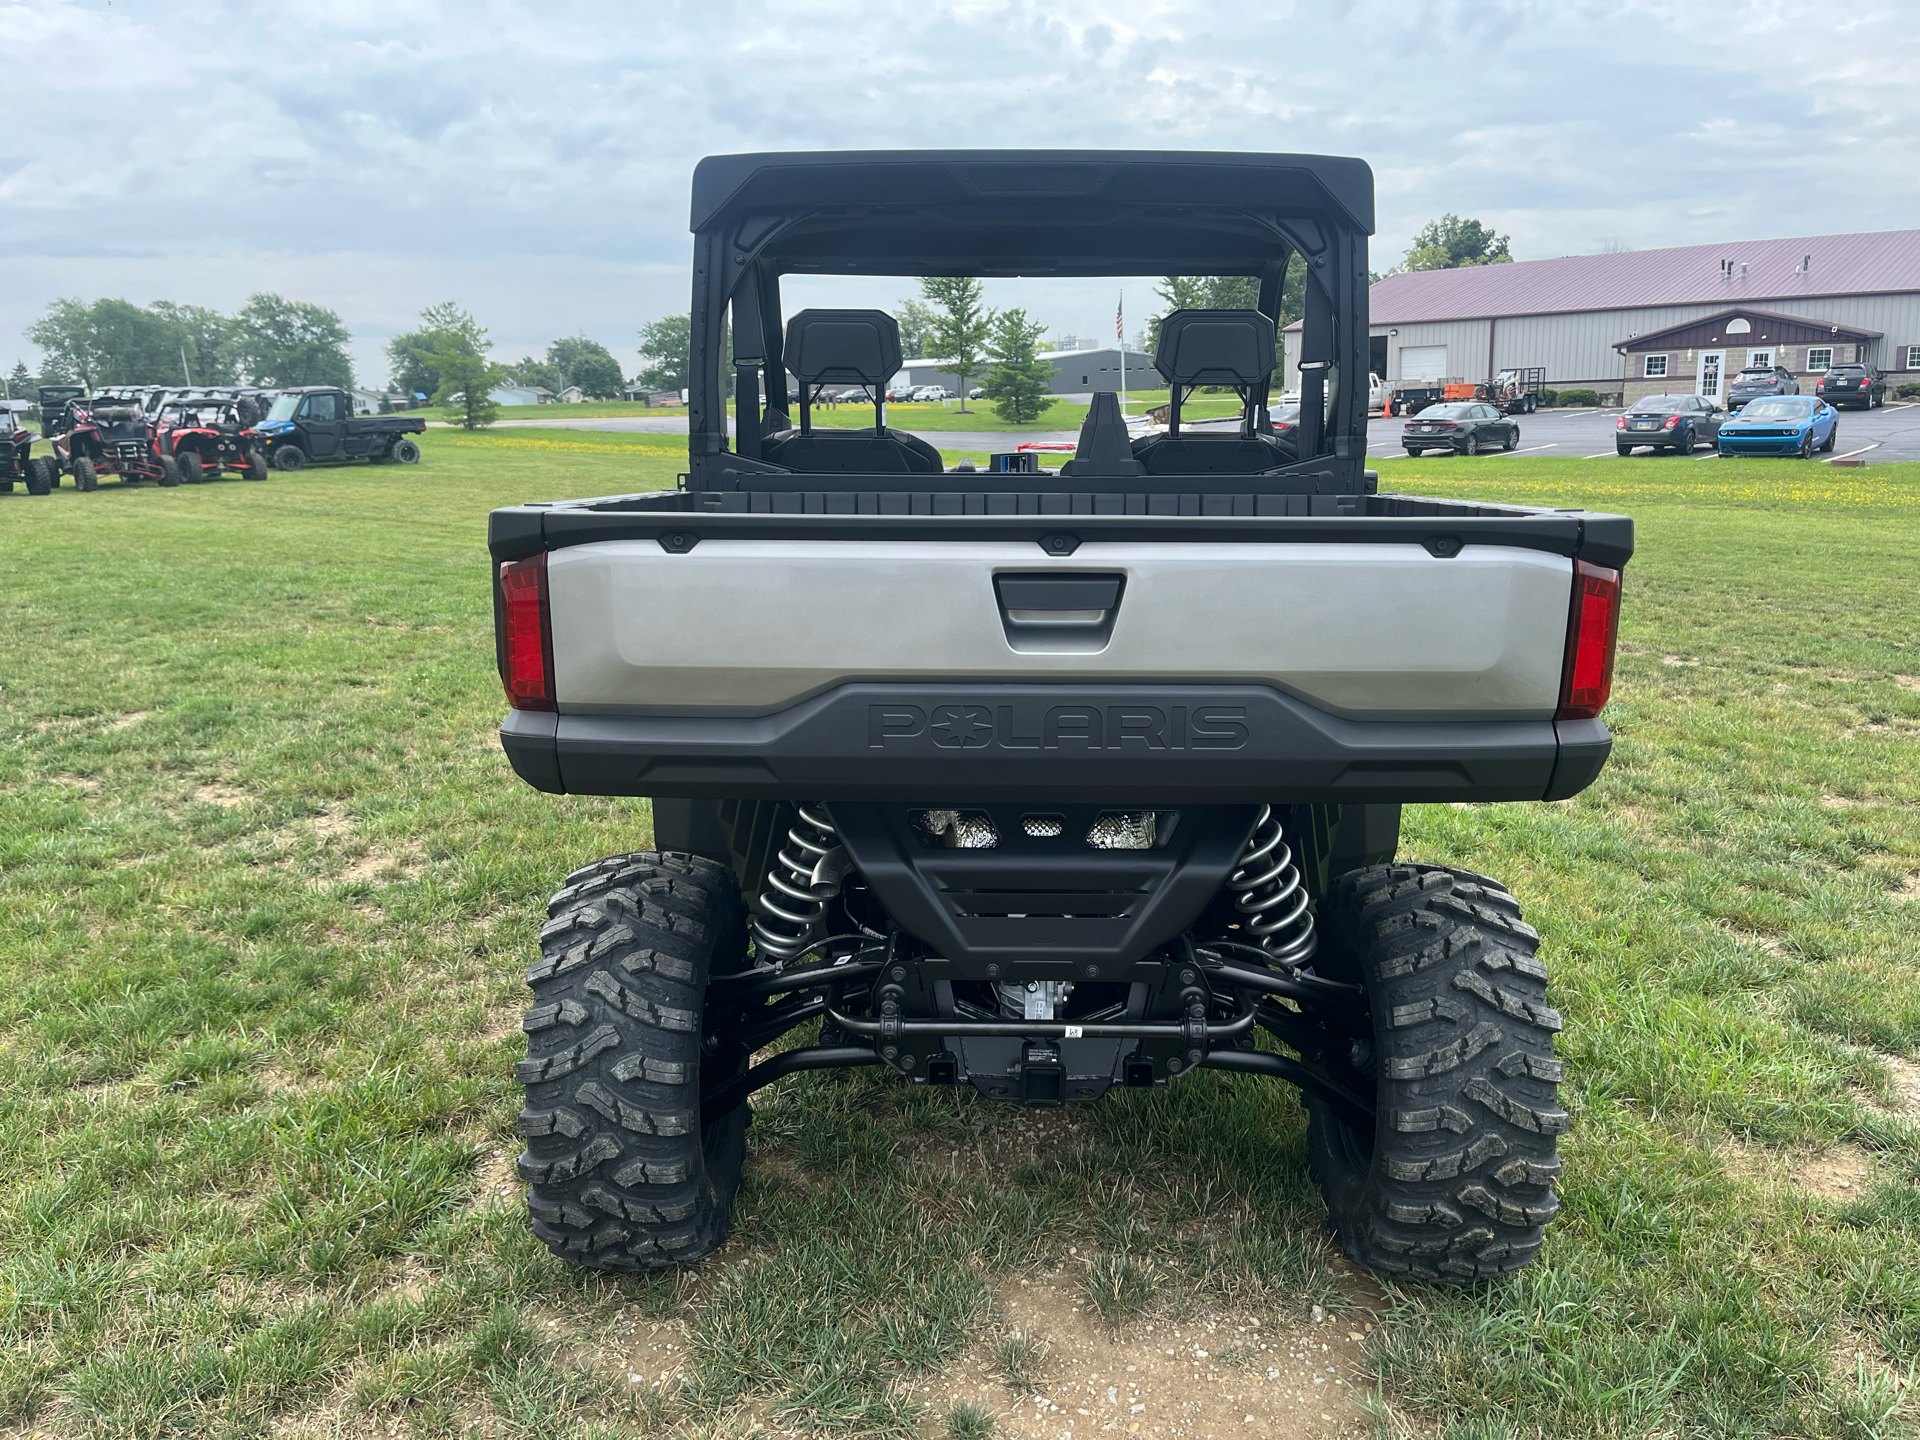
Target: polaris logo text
[1060,727]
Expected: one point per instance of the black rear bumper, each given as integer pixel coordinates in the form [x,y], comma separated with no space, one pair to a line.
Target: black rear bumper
[1219,744]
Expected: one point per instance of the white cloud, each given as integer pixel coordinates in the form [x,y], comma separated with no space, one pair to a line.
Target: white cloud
[532,161]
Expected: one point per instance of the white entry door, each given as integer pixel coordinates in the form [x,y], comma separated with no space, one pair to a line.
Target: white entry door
[1711,364]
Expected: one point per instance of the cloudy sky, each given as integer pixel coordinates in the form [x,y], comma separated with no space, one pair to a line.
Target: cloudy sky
[531,161]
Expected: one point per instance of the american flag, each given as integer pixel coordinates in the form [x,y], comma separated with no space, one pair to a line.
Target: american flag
[1120,320]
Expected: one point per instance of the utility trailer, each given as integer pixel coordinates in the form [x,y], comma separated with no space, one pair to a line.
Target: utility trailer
[1516,391]
[1044,784]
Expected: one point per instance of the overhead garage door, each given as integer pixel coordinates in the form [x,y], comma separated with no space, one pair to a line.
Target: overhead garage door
[1423,362]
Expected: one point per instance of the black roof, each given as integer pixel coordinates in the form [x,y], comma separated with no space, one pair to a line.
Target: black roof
[1061,212]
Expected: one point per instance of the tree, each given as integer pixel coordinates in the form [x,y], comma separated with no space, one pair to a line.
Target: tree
[1231,292]
[586,363]
[206,336]
[281,342]
[1451,243]
[466,377]
[666,348]
[442,326]
[962,325]
[20,384]
[110,342]
[916,323]
[1017,383]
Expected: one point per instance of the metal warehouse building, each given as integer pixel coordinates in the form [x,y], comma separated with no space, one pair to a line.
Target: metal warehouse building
[1652,321]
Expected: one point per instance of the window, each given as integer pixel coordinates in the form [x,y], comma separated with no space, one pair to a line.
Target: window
[319,407]
[1820,357]
[1656,367]
[1913,357]
[1759,359]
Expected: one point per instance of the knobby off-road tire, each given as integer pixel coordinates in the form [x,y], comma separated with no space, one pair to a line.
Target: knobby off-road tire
[405,452]
[256,465]
[192,470]
[85,475]
[621,1174]
[1456,1182]
[41,476]
[169,472]
[289,457]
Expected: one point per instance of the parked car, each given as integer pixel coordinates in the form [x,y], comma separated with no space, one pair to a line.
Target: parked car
[1781,425]
[926,393]
[854,395]
[1376,395]
[1757,380]
[1668,422]
[978,392]
[899,393]
[1860,385]
[1466,427]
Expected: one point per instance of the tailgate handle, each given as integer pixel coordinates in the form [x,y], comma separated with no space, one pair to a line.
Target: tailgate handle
[1069,613]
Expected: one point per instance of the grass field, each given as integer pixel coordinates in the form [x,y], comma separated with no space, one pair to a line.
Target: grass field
[1059,415]
[267,890]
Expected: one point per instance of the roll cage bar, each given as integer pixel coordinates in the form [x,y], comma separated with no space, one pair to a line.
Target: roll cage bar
[991,213]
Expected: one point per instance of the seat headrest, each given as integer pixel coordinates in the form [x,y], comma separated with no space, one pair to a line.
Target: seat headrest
[1215,347]
[860,347]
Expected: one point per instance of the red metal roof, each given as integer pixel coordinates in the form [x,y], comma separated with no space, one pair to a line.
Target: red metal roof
[1887,260]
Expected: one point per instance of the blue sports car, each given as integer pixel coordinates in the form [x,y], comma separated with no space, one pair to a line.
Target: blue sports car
[1781,425]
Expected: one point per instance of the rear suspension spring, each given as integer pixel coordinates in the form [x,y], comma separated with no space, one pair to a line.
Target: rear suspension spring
[801,883]
[1268,889]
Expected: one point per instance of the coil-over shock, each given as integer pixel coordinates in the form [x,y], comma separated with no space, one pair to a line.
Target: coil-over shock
[1268,889]
[801,883]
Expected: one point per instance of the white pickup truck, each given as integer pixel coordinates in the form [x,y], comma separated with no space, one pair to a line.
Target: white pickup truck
[1045,782]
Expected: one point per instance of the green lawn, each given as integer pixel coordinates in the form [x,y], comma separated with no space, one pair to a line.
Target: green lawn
[1059,414]
[267,891]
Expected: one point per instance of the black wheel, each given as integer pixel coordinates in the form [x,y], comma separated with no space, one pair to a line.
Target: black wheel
[1456,1181]
[405,451]
[6,483]
[169,472]
[1623,450]
[1806,445]
[1472,443]
[289,457]
[1513,440]
[1833,438]
[86,476]
[192,472]
[622,1173]
[41,476]
[256,465]
[1413,453]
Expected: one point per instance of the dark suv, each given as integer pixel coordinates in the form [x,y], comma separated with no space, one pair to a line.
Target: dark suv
[1860,385]
[1757,380]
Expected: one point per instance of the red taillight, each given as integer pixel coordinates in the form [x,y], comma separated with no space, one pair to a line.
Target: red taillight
[1672,420]
[1593,628]
[1619,422]
[526,634]
[1448,425]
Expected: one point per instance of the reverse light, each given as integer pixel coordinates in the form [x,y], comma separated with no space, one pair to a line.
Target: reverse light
[524,633]
[1593,629]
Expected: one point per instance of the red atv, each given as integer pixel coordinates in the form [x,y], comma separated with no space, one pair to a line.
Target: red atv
[105,436]
[17,460]
[201,439]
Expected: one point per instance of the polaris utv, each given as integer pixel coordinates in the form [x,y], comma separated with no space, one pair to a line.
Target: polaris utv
[17,460]
[203,438]
[109,434]
[1045,782]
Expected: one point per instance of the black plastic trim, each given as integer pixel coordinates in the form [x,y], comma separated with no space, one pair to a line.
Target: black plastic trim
[1216,744]
[1602,539]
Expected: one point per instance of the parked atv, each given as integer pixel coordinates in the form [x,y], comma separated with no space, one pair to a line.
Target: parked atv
[204,438]
[109,436]
[18,462]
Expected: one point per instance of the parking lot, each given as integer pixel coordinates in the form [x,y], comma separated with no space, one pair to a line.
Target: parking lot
[1889,433]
